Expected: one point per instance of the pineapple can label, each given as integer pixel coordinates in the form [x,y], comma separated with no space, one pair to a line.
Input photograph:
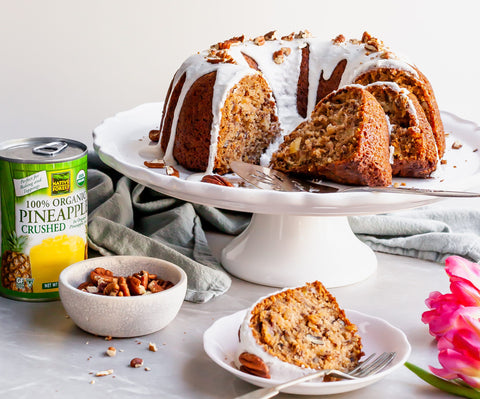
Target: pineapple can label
[44,214]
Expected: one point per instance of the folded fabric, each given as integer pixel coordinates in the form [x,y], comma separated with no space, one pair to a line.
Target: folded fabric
[126,218]
[431,233]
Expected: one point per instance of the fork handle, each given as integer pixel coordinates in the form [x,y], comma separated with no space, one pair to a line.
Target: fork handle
[265,393]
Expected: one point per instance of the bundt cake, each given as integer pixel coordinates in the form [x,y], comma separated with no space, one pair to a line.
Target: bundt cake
[236,100]
[346,139]
[297,331]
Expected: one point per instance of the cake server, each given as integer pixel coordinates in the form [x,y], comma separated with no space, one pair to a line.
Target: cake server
[270,179]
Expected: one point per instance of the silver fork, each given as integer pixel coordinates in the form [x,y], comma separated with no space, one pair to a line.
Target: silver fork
[371,365]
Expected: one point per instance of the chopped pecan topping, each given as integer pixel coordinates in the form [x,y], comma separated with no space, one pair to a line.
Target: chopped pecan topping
[339,39]
[215,179]
[279,56]
[303,34]
[372,44]
[229,43]
[272,35]
[259,40]
[219,56]
[289,37]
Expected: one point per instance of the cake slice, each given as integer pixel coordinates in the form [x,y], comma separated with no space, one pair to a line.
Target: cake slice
[417,84]
[346,139]
[411,136]
[297,331]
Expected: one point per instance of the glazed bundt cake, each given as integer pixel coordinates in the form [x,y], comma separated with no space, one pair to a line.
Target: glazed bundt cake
[236,100]
[297,331]
[346,139]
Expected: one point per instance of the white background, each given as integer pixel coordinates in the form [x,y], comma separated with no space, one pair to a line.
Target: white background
[67,65]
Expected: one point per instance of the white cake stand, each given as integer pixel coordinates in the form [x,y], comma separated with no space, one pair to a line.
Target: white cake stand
[293,237]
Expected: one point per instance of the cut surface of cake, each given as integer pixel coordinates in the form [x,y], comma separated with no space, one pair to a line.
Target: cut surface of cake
[238,99]
[297,331]
[346,139]
[411,136]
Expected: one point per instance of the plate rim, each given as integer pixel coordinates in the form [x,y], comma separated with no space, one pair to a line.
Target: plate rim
[315,388]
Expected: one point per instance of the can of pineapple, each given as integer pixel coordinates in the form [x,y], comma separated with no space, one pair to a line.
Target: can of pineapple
[44,214]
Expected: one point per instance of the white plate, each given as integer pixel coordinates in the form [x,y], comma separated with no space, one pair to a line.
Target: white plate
[221,339]
[122,143]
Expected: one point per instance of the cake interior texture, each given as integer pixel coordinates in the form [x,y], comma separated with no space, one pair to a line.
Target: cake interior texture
[249,123]
[412,139]
[346,139]
[420,87]
[305,327]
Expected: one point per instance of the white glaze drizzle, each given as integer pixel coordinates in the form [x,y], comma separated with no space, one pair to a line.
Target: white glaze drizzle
[282,78]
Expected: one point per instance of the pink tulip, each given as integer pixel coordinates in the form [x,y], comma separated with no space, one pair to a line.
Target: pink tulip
[454,320]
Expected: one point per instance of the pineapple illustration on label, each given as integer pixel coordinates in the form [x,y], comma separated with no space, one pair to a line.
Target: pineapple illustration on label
[44,214]
[16,267]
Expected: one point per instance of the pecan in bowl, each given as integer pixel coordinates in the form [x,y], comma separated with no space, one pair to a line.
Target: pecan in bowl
[133,302]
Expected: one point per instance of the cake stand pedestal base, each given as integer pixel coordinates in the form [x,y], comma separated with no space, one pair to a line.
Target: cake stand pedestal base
[289,250]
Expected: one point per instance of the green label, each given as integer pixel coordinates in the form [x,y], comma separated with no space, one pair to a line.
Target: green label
[44,215]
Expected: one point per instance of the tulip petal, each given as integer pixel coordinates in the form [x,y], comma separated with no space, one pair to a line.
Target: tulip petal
[456,266]
[465,293]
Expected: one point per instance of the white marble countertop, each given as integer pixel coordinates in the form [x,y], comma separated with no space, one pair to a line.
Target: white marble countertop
[44,355]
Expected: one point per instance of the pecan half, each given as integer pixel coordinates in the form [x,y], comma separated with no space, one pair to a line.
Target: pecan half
[215,179]
[154,135]
[135,286]
[100,273]
[155,164]
[252,364]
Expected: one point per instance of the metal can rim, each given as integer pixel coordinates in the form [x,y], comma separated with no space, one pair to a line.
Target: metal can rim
[6,145]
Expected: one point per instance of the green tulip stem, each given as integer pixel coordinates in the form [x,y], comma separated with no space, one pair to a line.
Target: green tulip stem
[444,385]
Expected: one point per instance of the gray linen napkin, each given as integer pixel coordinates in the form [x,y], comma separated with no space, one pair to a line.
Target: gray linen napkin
[431,233]
[126,218]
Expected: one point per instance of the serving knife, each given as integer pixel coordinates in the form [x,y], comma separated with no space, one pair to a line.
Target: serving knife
[270,179]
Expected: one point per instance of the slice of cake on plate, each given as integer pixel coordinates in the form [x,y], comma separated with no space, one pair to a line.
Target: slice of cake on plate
[297,331]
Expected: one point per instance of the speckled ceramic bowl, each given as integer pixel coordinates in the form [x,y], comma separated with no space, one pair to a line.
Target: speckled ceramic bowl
[122,316]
